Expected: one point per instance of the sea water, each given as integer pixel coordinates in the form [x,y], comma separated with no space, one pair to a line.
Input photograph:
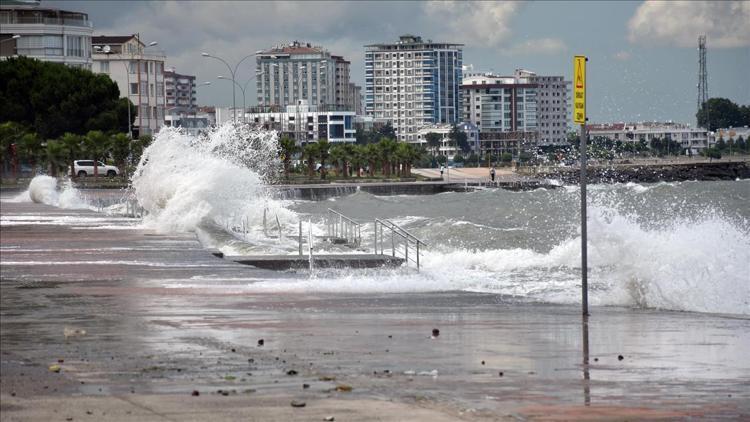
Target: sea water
[676,246]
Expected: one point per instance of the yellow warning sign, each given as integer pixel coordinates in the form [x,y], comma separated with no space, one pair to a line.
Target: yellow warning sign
[579,89]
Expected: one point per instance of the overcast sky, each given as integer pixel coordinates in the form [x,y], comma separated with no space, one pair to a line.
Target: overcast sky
[643,61]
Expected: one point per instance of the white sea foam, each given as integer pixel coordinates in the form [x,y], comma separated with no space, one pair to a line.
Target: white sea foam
[185,181]
[43,190]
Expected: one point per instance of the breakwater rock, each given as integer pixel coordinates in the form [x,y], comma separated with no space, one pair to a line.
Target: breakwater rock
[651,173]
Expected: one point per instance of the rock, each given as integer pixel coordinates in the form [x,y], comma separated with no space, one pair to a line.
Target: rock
[482,362]
[619,357]
[305,386]
[60,360]
[261,342]
[233,351]
[596,359]
[291,372]
[225,393]
[435,332]
[500,374]
[248,390]
[251,360]
[195,393]
[298,403]
[344,388]
[329,419]
[327,378]
[390,336]
[55,368]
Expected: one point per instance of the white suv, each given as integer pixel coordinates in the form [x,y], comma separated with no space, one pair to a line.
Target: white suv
[85,168]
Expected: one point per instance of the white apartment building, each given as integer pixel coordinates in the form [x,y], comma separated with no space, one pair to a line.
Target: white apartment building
[553,97]
[733,133]
[504,109]
[300,71]
[180,93]
[50,35]
[302,122]
[447,148]
[413,83]
[694,139]
[139,73]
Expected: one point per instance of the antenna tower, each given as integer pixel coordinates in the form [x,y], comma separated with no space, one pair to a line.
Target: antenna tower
[702,77]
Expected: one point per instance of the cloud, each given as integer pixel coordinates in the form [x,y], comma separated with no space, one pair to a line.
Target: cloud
[483,23]
[680,22]
[622,56]
[539,46]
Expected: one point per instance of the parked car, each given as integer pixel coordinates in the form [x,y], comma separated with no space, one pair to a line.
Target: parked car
[85,168]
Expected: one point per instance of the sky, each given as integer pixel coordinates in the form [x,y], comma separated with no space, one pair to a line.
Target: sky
[643,59]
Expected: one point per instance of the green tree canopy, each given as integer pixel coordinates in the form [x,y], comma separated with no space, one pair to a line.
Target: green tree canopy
[717,113]
[55,99]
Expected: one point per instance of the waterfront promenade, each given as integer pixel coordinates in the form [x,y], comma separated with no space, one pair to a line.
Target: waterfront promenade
[138,322]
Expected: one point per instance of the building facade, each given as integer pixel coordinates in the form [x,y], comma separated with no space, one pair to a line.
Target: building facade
[306,123]
[139,73]
[413,83]
[447,147]
[180,94]
[553,97]
[50,35]
[504,109]
[690,138]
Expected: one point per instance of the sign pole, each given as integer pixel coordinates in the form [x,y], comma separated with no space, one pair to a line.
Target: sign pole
[579,116]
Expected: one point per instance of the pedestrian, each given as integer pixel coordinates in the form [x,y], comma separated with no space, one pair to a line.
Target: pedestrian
[492,173]
[442,169]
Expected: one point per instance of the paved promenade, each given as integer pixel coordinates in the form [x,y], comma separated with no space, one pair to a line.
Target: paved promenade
[139,322]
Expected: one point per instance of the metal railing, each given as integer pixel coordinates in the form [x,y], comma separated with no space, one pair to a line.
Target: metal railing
[402,243]
[342,227]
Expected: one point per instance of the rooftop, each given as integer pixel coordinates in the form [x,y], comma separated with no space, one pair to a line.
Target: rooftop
[295,47]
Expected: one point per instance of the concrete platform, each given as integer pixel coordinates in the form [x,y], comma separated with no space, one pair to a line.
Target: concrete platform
[287,262]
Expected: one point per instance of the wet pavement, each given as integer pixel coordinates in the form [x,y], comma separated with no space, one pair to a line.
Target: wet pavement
[137,321]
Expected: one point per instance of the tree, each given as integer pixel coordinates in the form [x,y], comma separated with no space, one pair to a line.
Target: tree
[433,141]
[338,159]
[287,148]
[10,133]
[323,153]
[137,146]
[387,150]
[310,154]
[719,113]
[57,156]
[55,99]
[30,149]
[120,149]
[459,139]
[358,158]
[96,146]
[372,155]
[72,144]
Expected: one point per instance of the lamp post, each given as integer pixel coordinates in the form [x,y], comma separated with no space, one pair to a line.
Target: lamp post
[243,89]
[14,37]
[233,72]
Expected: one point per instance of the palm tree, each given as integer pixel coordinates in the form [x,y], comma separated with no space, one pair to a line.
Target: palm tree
[433,141]
[372,155]
[57,156]
[96,145]
[73,145]
[358,158]
[30,148]
[288,147]
[349,151]
[120,148]
[323,147]
[387,149]
[338,159]
[310,153]
[406,154]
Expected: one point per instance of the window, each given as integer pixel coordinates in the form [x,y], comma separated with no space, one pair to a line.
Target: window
[75,46]
[104,67]
[133,88]
[132,66]
[144,88]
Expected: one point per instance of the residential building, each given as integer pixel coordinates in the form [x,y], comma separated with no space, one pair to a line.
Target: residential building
[553,97]
[300,71]
[690,138]
[447,146]
[413,83]
[303,122]
[180,94]
[733,133]
[504,109]
[355,93]
[139,73]
[46,34]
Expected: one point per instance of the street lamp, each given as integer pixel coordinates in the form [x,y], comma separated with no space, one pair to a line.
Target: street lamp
[14,37]
[233,72]
[242,89]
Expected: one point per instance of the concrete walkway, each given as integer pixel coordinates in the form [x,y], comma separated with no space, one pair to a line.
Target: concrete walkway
[137,321]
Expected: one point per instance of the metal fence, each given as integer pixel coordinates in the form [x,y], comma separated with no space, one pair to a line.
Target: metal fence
[342,227]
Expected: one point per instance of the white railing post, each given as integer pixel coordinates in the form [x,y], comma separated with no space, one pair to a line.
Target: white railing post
[300,237]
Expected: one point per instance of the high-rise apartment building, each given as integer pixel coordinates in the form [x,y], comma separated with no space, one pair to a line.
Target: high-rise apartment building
[139,73]
[413,83]
[45,34]
[504,109]
[301,71]
[552,106]
[180,93]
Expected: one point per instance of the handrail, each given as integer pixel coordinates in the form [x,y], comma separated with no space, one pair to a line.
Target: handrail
[341,226]
[410,241]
